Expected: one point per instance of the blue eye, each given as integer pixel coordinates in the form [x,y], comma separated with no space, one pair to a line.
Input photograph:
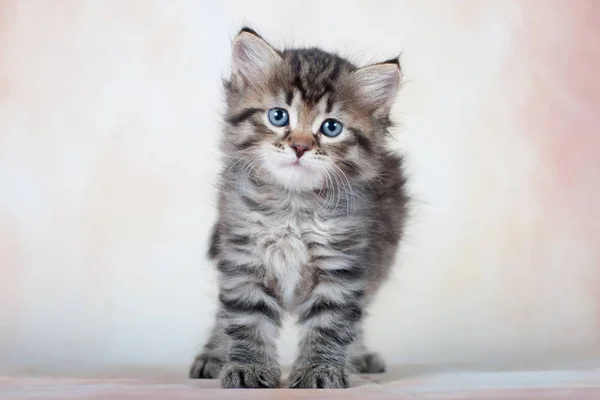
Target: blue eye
[331,127]
[278,117]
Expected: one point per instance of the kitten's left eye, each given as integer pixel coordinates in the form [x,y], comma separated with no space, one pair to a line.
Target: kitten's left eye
[331,127]
[278,117]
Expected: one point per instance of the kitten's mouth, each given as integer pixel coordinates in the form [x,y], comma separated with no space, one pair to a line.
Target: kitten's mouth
[298,163]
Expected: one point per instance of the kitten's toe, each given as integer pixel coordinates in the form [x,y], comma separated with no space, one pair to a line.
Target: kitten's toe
[206,367]
[239,376]
[369,363]
[319,377]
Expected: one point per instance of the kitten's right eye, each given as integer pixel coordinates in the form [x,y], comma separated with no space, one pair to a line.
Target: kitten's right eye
[278,117]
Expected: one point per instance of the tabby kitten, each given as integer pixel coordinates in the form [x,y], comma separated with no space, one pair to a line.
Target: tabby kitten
[311,210]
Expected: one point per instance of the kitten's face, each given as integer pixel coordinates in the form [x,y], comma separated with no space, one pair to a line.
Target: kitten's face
[306,117]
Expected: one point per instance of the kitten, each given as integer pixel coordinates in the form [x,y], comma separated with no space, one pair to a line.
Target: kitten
[311,211]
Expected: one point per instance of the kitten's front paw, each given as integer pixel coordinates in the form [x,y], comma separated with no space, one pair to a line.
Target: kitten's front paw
[319,377]
[239,376]
[206,367]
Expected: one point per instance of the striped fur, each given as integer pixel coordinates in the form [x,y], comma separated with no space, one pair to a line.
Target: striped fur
[316,235]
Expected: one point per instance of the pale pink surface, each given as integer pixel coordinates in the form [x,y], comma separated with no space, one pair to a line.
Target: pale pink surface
[549,384]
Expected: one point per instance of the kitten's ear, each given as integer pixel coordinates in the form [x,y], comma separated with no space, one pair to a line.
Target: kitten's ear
[252,57]
[379,83]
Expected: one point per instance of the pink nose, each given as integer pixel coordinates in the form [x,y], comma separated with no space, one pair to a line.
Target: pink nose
[299,148]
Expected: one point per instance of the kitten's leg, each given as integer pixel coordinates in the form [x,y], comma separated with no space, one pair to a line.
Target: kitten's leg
[208,364]
[329,321]
[363,360]
[251,318]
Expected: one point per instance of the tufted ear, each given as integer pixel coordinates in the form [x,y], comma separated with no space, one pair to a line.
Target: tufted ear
[379,84]
[252,57]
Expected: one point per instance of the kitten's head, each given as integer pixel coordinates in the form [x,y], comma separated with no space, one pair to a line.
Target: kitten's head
[307,117]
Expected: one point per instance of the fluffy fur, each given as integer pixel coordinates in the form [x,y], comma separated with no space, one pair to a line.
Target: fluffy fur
[314,234]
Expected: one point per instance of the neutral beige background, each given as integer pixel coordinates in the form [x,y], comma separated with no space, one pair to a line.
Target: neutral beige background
[109,117]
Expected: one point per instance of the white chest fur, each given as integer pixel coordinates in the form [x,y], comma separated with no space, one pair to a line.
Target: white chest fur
[284,253]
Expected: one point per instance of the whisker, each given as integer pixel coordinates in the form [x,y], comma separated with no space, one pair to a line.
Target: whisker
[350,195]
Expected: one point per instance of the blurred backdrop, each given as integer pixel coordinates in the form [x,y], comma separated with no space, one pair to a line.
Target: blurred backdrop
[109,121]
